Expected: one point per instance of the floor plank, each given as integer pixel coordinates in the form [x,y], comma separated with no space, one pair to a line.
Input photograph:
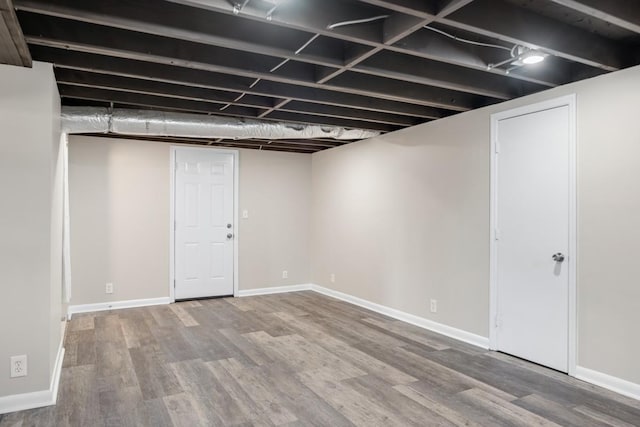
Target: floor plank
[300,359]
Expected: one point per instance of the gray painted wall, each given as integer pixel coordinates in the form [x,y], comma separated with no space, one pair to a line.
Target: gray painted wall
[403,218]
[398,219]
[119,195]
[30,225]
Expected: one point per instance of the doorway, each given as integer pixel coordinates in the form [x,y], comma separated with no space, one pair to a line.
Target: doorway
[533,233]
[204,226]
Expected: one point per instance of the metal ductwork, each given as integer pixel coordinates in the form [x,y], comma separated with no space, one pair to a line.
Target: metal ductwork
[157,123]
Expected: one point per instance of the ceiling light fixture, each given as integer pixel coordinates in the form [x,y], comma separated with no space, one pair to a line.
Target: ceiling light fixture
[532,57]
[520,55]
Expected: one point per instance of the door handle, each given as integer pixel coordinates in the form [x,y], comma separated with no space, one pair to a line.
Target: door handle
[559,257]
[229,236]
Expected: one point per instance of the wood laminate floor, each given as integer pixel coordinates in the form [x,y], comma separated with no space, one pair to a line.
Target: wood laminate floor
[300,359]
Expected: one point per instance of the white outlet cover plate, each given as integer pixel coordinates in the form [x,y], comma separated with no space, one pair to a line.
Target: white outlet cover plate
[18,366]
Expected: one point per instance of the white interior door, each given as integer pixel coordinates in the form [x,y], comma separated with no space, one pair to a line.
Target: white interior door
[204,228]
[532,222]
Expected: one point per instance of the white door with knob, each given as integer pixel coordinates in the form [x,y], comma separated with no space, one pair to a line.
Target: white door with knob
[533,218]
[204,226]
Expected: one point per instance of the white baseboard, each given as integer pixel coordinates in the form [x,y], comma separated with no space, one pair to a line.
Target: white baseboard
[449,331]
[116,305]
[36,399]
[620,386]
[57,373]
[273,290]
[44,398]
[421,322]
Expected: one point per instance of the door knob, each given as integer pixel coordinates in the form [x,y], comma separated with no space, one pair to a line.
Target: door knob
[559,257]
[229,236]
[229,226]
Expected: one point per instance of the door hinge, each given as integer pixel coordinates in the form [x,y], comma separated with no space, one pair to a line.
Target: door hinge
[174,283]
[497,147]
[496,234]
[497,321]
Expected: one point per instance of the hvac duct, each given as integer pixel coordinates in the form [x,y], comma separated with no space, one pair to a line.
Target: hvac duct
[156,123]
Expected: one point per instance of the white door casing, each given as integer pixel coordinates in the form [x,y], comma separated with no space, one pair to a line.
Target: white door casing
[533,218]
[204,222]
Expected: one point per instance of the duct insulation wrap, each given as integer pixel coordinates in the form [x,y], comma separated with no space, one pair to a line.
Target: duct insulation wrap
[157,123]
[85,120]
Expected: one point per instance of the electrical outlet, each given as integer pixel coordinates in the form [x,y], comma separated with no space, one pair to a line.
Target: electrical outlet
[108,288]
[285,274]
[332,277]
[434,305]
[19,366]
[245,214]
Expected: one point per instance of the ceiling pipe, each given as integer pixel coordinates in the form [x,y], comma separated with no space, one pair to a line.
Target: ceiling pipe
[157,123]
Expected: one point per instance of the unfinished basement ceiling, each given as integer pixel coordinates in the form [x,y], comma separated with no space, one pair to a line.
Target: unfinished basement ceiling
[303,61]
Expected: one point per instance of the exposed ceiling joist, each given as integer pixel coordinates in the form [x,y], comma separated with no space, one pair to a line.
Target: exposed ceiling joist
[168,27]
[70,60]
[504,21]
[296,146]
[372,64]
[217,98]
[191,25]
[371,40]
[13,47]
[419,8]
[150,48]
[163,102]
[621,13]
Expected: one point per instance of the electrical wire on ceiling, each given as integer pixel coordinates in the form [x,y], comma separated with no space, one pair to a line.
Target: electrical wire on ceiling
[283,62]
[512,50]
[301,48]
[357,21]
[475,43]
[518,53]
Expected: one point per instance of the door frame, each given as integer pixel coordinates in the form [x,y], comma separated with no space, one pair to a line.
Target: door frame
[236,217]
[569,101]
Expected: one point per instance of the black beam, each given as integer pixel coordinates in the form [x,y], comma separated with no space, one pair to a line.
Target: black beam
[221,99]
[184,23]
[621,13]
[305,18]
[504,21]
[129,98]
[13,47]
[302,146]
[149,87]
[122,96]
[61,33]
[289,116]
[400,90]
[395,27]
[439,74]
[418,8]
[341,112]
[202,79]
